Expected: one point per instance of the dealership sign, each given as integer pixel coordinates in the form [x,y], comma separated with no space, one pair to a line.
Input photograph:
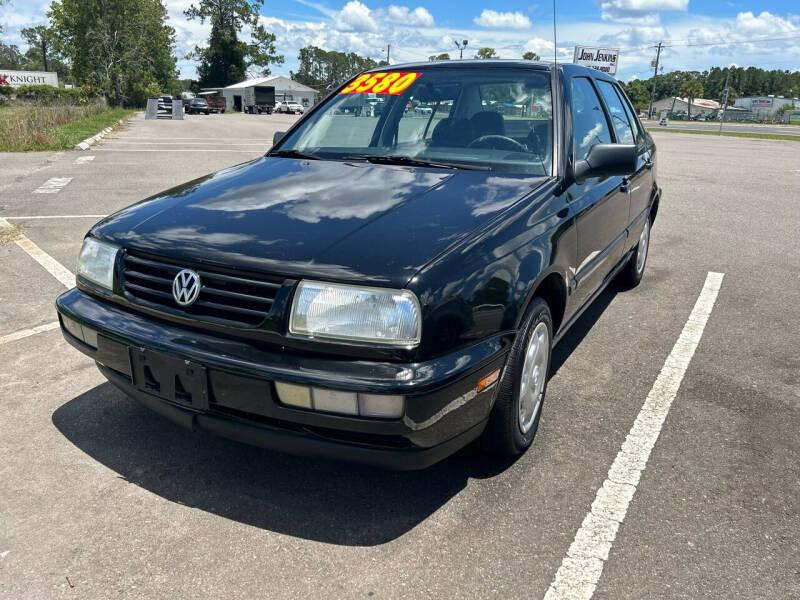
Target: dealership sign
[761,102]
[18,78]
[602,59]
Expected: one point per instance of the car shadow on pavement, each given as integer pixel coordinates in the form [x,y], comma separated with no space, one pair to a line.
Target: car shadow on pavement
[321,500]
[573,338]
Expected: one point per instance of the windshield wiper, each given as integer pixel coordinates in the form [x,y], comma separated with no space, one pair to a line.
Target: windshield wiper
[410,161]
[289,153]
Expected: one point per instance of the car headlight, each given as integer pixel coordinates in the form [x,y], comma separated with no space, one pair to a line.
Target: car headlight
[96,262]
[357,314]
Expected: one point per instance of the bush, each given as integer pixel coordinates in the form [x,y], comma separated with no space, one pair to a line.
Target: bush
[47,95]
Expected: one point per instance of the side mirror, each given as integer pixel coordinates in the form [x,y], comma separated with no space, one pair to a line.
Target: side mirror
[277,137]
[606,160]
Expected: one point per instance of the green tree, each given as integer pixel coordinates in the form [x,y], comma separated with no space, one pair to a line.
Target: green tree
[11,58]
[443,56]
[226,58]
[531,56]
[324,69]
[638,92]
[691,90]
[124,47]
[487,53]
[732,95]
[41,55]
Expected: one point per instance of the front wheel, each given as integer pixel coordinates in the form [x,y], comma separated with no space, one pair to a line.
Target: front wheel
[515,415]
[631,274]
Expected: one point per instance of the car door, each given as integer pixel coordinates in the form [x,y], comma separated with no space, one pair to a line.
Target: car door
[601,204]
[627,131]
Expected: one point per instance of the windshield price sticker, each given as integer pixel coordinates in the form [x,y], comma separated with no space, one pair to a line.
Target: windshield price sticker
[392,83]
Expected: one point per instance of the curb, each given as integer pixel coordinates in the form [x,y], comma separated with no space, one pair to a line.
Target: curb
[84,145]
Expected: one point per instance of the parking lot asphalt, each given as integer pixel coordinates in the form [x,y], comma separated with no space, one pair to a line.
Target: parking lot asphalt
[101,498]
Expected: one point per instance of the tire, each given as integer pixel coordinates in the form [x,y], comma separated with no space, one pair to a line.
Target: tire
[631,274]
[510,431]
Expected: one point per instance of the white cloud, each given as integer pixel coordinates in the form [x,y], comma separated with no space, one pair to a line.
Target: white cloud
[356,16]
[419,16]
[639,12]
[511,20]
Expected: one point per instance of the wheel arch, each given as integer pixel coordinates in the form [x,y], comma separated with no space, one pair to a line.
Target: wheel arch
[552,288]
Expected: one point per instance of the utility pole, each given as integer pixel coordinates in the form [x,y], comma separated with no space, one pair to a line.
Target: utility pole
[388,47]
[655,74]
[725,100]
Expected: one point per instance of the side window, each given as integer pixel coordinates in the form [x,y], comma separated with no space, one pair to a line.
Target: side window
[589,124]
[618,116]
[628,111]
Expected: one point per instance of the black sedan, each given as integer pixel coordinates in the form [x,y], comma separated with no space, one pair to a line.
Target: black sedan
[381,290]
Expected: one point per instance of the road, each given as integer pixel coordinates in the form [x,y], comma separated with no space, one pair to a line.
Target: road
[740,127]
[102,498]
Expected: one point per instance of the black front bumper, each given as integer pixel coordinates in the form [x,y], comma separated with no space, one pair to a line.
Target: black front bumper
[443,412]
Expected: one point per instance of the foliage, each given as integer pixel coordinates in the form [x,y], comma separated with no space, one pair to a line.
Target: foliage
[691,90]
[531,56]
[747,81]
[45,94]
[122,46]
[54,127]
[11,58]
[443,56]
[323,69]
[487,53]
[226,58]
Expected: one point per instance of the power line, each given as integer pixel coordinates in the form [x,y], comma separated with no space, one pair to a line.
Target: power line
[690,44]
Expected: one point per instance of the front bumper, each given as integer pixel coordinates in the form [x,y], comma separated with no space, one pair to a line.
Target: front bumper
[443,411]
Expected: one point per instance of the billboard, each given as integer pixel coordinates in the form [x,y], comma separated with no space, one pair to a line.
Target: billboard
[602,59]
[18,78]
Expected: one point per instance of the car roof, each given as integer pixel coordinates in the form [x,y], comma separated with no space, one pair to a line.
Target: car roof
[569,69]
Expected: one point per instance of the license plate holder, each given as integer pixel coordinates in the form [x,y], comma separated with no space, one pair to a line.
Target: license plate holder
[170,378]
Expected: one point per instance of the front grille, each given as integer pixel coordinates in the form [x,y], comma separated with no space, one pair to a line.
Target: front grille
[234,300]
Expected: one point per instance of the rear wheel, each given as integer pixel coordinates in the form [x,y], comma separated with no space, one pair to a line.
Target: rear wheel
[515,415]
[632,273]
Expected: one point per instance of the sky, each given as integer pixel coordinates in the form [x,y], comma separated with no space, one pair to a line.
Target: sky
[699,34]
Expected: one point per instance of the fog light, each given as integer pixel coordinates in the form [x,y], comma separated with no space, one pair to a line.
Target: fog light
[335,401]
[294,395]
[83,333]
[73,327]
[89,336]
[382,406]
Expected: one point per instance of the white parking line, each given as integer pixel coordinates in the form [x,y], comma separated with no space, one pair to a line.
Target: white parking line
[55,268]
[18,335]
[83,159]
[53,185]
[581,568]
[28,217]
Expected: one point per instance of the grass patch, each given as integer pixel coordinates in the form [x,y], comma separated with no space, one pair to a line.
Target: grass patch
[741,134]
[59,127]
[9,234]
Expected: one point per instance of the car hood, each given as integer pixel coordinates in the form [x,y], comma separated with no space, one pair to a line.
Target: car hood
[344,221]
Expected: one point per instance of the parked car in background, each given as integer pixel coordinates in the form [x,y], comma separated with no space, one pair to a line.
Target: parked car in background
[197,106]
[378,290]
[165,104]
[290,108]
[216,104]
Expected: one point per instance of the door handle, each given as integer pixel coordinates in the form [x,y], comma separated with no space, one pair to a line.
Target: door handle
[624,185]
[648,164]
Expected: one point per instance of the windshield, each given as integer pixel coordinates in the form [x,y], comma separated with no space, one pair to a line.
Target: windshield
[497,119]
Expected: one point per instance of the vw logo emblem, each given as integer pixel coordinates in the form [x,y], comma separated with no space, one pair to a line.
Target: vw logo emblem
[186,287]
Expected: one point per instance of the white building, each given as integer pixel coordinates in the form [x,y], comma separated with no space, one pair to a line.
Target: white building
[700,106]
[762,107]
[286,90]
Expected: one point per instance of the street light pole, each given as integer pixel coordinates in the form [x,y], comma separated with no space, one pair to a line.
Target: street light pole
[725,101]
[461,47]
